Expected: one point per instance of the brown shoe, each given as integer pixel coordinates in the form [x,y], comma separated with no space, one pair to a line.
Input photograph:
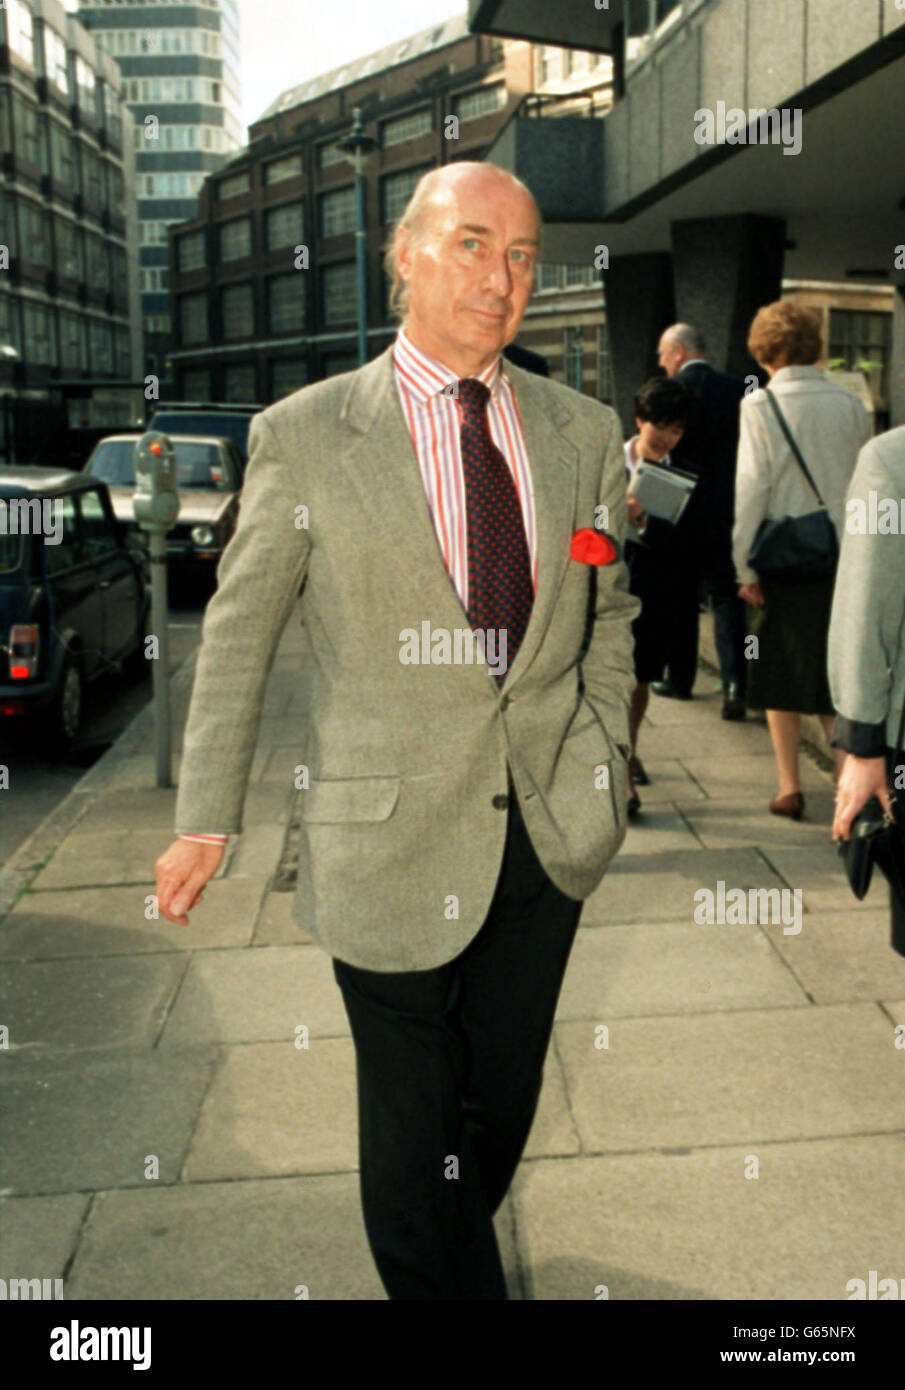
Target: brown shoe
[791,805]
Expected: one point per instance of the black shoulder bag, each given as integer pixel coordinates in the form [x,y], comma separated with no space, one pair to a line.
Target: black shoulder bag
[795,549]
[874,840]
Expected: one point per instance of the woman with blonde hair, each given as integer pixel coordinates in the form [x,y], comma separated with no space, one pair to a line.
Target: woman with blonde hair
[798,445]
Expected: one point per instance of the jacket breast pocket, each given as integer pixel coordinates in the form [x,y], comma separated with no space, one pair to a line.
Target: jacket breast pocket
[343,799]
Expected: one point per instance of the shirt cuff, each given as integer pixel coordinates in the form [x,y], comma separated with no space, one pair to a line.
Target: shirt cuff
[205,839]
[864,740]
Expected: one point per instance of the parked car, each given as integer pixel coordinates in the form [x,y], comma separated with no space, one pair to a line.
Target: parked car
[192,417]
[208,475]
[74,599]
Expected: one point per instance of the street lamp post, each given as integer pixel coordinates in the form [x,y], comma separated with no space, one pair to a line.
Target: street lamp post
[359,144]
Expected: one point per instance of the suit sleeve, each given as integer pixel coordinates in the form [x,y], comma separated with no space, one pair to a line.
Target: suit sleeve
[258,579]
[866,626]
[608,665]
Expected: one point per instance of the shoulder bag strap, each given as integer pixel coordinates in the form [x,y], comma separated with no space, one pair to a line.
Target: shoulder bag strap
[792,445]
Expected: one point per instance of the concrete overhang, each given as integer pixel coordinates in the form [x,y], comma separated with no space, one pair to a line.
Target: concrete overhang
[842,196]
[566,24]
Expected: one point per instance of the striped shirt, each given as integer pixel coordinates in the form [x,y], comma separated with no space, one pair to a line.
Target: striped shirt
[432,414]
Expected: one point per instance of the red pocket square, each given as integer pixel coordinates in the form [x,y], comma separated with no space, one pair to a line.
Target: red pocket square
[592,547]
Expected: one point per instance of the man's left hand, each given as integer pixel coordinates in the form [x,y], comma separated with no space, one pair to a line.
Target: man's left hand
[752,593]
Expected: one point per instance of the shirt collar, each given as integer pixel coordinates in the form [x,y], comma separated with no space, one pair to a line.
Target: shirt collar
[693,362]
[797,373]
[428,378]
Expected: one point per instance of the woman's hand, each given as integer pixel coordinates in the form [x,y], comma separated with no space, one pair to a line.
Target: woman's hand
[752,593]
[859,780]
[635,510]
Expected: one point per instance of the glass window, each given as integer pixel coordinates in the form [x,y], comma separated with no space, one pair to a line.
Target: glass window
[193,318]
[34,233]
[287,375]
[397,189]
[235,239]
[39,335]
[100,347]
[284,226]
[97,534]
[98,269]
[55,60]
[280,169]
[27,125]
[340,299]
[62,166]
[576,275]
[234,186]
[68,551]
[72,342]
[113,461]
[481,101]
[70,253]
[338,212]
[86,85]
[9,322]
[196,384]
[191,251]
[240,382]
[20,30]
[286,303]
[330,154]
[407,127]
[237,311]
[572,357]
[550,65]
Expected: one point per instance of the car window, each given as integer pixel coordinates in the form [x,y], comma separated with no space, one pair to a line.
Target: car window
[63,553]
[114,462]
[201,466]
[97,532]
[234,427]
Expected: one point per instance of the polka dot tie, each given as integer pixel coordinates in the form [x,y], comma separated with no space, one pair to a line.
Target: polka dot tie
[500,591]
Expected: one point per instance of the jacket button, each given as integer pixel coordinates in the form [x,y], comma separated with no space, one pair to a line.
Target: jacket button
[501,802]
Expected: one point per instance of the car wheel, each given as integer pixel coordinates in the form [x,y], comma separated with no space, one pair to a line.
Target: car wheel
[66,708]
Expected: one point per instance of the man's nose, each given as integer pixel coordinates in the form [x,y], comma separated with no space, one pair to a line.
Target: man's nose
[499,276]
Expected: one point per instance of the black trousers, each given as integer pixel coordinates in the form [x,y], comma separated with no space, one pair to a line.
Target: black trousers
[712,573]
[450,1064]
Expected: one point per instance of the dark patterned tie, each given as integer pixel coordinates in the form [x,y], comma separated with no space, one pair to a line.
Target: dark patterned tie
[500,591]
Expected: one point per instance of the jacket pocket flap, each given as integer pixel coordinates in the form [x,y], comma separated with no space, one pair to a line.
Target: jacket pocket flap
[350,799]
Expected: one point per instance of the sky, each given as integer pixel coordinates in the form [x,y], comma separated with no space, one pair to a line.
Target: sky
[285,42]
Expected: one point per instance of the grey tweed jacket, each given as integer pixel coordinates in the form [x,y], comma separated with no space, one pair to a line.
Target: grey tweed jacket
[403,818]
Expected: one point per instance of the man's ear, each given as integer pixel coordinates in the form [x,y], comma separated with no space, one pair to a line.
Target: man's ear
[403,243]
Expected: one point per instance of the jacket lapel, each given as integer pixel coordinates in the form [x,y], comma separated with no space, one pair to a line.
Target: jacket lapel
[385,456]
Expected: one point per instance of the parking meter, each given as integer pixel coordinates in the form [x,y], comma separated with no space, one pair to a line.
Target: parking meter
[155,503]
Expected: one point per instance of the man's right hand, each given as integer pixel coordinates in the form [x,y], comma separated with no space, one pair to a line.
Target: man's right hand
[182,872]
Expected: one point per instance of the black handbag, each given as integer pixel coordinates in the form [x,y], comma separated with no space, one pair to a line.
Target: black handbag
[874,840]
[795,549]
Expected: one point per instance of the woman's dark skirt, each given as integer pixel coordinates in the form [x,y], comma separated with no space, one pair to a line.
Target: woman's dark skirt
[788,671]
[669,596]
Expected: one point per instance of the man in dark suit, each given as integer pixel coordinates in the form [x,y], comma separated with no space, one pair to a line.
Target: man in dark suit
[708,448]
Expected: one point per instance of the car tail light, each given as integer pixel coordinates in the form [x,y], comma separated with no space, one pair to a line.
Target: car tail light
[23,652]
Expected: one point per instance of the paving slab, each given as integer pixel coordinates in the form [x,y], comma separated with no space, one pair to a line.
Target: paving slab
[553,1130]
[840,956]
[658,830]
[86,1002]
[673,967]
[724,776]
[252,996]
[279,1239]
[817,870]
[669,782]
[107,856]
[638,888]
[736,821]
[734,1078]
[713,736]
[274,1109]
[111,921]
[276,925]
[38,1234]
[81,1121]
[693,1226]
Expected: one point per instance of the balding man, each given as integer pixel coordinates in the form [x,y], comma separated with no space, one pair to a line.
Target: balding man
[466,695]
[708,448]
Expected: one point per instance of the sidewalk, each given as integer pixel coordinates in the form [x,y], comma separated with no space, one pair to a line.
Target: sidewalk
[731,1049]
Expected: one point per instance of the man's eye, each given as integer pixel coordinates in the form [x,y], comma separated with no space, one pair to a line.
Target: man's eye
[470,242]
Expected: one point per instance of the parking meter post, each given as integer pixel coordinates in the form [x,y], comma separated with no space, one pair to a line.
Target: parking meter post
[156,506]
[160,625]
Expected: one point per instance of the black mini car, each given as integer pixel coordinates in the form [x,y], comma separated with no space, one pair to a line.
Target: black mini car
[74,599]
